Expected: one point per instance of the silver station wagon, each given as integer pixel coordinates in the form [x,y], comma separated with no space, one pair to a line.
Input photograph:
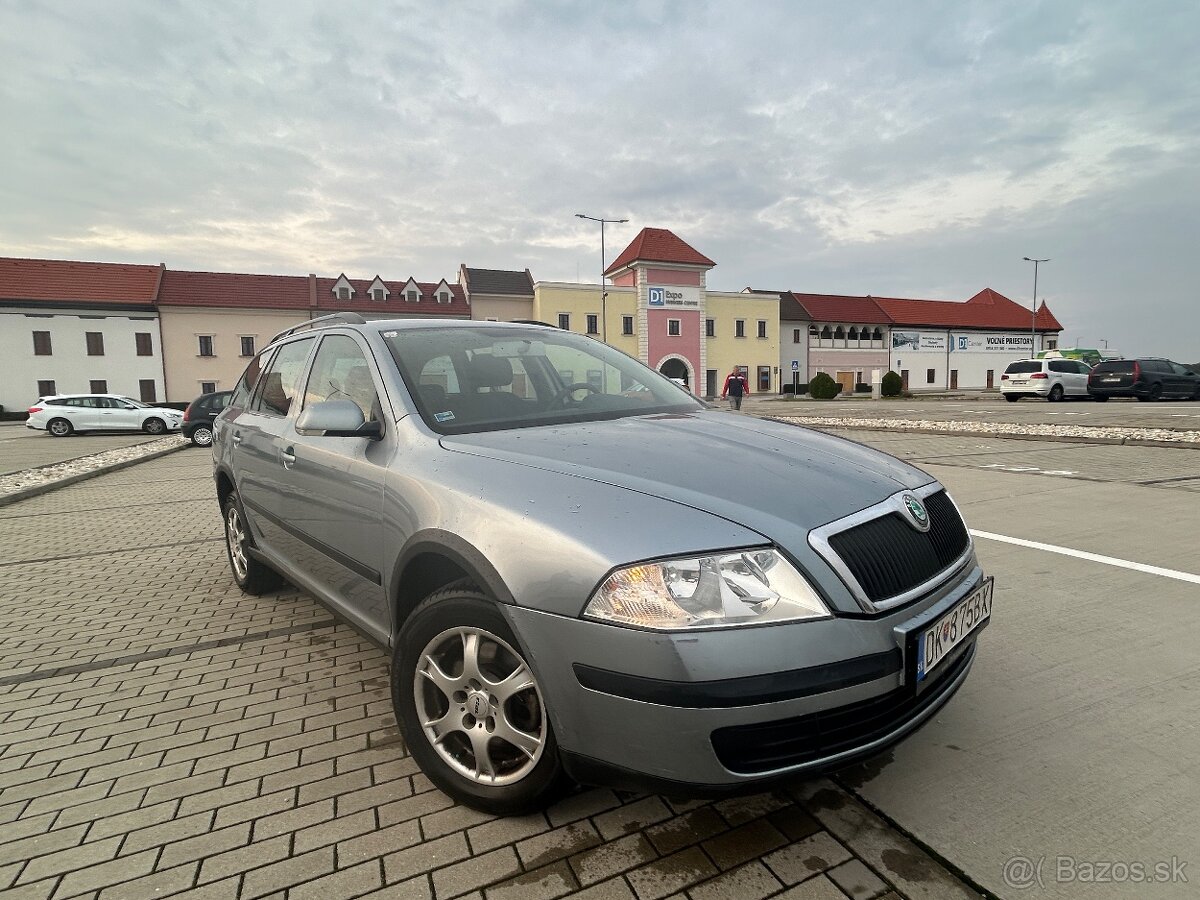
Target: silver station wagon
[583,572]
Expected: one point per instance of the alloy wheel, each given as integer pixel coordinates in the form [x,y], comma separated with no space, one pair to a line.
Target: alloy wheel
[479,706]
[235,537]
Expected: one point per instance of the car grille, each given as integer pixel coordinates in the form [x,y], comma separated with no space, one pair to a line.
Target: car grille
[766,746]
[887,556]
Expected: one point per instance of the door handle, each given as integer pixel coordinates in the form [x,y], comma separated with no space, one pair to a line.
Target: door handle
[236,437]
[288,456]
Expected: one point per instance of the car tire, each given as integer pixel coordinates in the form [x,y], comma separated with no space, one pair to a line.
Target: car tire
[154,425]
[252,576]
[202,436]
[440,636]
[59,428]
[1012,398]
[1056,394]
[1155,392]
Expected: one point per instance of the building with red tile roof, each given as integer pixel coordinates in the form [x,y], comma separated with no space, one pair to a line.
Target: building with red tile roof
[657,245]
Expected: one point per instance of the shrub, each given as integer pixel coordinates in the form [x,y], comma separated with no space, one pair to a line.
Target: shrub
[862,388]
[891,385]
[823,387]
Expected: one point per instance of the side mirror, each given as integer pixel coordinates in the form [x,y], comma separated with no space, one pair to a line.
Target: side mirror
[337,418]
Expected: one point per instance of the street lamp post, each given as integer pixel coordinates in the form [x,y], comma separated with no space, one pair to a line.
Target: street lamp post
[1033,320]
[603,289]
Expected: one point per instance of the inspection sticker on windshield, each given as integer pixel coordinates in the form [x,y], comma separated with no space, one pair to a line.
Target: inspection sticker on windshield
[443,417]
[936,641]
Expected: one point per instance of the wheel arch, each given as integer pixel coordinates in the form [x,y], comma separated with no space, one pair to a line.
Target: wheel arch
[430,561]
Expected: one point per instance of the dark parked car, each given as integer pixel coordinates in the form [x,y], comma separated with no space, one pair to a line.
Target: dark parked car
[1146,379]
[198,417]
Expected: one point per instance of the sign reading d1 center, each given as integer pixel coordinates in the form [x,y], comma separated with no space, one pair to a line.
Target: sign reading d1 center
[673,297]
[996,343]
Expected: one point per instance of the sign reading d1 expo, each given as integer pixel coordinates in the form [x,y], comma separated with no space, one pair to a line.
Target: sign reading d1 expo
[673,297]
[996,343]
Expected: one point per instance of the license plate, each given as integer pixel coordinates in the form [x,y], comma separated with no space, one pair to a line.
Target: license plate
[1019,381]
[936,641]
[1108,380]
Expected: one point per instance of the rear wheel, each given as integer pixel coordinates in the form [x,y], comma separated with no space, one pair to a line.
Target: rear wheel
[1156,392]
[470,708]
[1011,398]
[1056,393]
[202,436]
[59,427]
[251,576]
[154,426]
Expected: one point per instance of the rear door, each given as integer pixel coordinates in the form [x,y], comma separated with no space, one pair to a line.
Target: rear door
[1114,375]
[1187,382]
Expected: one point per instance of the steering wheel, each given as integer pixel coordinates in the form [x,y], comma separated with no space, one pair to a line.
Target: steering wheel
[565,393]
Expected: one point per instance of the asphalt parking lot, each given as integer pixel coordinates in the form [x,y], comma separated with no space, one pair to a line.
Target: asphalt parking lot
[25,448]
[163,735]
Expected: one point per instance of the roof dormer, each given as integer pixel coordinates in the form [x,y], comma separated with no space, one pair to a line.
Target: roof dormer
[442,293]
[412,291]
[342,288]
[378,290]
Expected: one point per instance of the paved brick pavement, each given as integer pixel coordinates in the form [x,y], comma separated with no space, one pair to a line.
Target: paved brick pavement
[163,735]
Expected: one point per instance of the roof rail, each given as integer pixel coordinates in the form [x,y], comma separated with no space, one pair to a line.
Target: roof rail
[342,318]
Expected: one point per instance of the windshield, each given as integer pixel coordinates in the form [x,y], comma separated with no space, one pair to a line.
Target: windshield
[483,378]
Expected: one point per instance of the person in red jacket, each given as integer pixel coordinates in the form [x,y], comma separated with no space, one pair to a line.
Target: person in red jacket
[736,387]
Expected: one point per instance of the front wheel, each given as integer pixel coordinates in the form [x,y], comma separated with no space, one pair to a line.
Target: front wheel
[252,576]
[154,426]
[202,436]
[469,707]
[59,427]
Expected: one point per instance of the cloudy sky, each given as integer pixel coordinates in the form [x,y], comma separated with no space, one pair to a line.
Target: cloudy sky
[915,149]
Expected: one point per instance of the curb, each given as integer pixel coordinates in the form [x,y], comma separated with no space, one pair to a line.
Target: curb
[1051,438]
[37,490]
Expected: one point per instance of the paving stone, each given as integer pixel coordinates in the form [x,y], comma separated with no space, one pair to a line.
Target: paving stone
[243,859]
[455,818]
[579,806]
[378,842]
[38,890]
[66,860]
[134,820]
[541,884]
[612,858]
[557,844]
[157,884]
[377,795]
[414,889]
[739,810]
[856,880]
[819,888]
[340,829]
[631,817]
[41,844]
[750,882]
[475,873]
[670,874]
[205,844]
[177,829]
[413,807]
[115,871]
[806,858]
[685,830]
[613,889]
[352,882]
[255,808]
[424,857]
[794,822]
[491,835]
[332,787]
[292,820]
[287,872]
[743,843]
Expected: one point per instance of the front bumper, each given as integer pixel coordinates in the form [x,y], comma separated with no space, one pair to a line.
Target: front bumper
[714,711]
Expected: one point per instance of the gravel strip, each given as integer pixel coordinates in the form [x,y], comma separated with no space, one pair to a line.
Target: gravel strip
[42,476]
[1004,429]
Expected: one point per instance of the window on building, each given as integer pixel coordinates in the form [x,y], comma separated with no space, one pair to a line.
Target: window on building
[1051,343]
[98,386]
[379,294]
[739,328]
[762,328]
[95,343]
[343,293]
[143,343]
[626,324]
[147,390]
[443,297]
[853,334]
[208,387]
[764,379]
[839,334]
[673,327]
[593,323]
[247,341]
[877,336]
[710,328]
[929,376]
[812,331]
[41,344]
[413,297]
[564,321]
[46,389]
[795,335]
[826,333]
[205,342]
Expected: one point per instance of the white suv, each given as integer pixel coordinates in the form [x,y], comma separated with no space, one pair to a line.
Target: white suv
[67,413]
[1055,379]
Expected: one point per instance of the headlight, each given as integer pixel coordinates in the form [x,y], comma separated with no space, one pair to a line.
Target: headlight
[740,587]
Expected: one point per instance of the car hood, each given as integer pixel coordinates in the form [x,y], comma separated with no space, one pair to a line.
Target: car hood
[779,480]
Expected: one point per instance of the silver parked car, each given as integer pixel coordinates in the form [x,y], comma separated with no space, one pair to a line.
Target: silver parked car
[582,571]
[65,414]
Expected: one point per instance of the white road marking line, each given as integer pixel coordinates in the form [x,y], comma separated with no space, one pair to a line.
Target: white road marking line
[1007,468]
[1091,557]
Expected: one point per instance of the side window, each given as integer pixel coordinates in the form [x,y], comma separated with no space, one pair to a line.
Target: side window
[280,382]
[245,388]
[1057,365]
[340,372]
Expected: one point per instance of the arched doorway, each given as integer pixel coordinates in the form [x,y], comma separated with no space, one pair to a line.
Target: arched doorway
[676,368]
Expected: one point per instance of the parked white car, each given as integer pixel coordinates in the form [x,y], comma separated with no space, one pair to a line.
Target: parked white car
[1052,379]
[66,414]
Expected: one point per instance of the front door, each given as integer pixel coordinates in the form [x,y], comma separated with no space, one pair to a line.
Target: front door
[710,383]
[904,379]
[991,378]
[954,379]
[846,380]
